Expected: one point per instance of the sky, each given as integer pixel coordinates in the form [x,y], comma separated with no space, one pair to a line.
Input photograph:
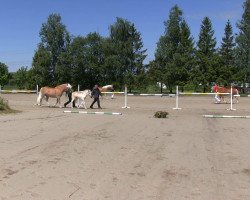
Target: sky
[21,21]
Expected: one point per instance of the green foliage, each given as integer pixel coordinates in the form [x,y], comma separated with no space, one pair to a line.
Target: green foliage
[4,74]
[161,114]
[4,105]
[21,78]
[226,70]
[54,40]
[174,56]
[243,46]
[119,58]
[127,52]
[207,62]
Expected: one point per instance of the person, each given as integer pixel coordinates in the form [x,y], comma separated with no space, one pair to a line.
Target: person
[69,94]
[217,98]
[95,94]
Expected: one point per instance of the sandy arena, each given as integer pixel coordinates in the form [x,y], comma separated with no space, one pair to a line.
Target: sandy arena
[46,154]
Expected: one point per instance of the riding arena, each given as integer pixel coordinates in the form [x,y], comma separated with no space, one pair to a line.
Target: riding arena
[122,151]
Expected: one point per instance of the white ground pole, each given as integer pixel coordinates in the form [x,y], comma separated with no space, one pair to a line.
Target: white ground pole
[37,91]
[231,99]
[126,96]
[177,99]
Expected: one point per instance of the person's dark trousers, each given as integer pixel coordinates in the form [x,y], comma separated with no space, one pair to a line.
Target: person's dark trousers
[69,101]
[96,100]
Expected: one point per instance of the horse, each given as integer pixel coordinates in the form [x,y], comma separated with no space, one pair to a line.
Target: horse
[220,90]
[107,88]
[55,92]
[80,95]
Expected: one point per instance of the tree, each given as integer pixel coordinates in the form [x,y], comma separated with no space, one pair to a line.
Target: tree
[167,56]
[207,62]
[21,78]
[185,62]
[84,60]
[128,52]
[227,70]
[4,73]
[54,40]
[41,67]
[243,46]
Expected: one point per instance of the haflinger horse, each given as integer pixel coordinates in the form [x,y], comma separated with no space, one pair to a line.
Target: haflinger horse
[220,90]
[55,92]
[81,95]
[107,88]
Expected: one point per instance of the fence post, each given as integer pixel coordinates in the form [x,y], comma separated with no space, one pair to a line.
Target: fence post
[78,89]
[231,99]
[126,95]
[37,91]
[177,99]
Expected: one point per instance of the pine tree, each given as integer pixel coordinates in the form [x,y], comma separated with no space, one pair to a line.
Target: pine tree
[205,71]
[186,51]
[243,46]
[167,47]
[128,52]
[226,70]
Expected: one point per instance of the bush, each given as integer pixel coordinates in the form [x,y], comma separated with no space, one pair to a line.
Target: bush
[4,105]
[161,114]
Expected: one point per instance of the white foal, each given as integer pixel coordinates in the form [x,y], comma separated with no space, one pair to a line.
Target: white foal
[82,96]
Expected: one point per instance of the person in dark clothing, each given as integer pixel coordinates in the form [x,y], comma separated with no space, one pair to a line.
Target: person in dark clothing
[69,93]
[95,94]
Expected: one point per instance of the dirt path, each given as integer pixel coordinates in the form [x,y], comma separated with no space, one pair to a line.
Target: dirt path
[46,154]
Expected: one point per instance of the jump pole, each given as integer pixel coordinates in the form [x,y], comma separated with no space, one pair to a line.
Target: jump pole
[93,113]
[225,116]
[231,99]
[126,96]
[177,99]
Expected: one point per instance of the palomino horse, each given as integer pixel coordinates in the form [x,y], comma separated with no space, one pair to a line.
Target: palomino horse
[53,93]
[219,90]
[82,96]
[107,88]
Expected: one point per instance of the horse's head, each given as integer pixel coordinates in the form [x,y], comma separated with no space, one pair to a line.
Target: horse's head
[108,87]
[68,86]
[89,92]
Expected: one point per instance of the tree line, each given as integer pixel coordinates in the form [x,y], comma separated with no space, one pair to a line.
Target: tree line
[120,58]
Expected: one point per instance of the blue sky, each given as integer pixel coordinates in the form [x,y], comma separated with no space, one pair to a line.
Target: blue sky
[20,21]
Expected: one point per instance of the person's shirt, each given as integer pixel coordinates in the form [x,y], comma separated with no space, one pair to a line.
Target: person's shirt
[95,93]
[69,91]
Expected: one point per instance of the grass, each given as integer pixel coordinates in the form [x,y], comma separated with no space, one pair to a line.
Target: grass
[5,108]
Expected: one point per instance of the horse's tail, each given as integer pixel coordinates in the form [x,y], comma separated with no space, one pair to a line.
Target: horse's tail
[39,98]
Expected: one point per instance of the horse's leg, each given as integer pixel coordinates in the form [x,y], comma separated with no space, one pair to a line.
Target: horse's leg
[39,99]
[84,104]
[47,100]
[57,100]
